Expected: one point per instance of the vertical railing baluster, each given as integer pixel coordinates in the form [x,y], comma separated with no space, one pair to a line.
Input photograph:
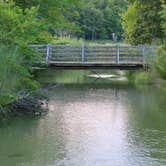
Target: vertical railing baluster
[118,54]
[83,53]
[48,52]
[143,55]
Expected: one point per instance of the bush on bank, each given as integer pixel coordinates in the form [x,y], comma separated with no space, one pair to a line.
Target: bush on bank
[142,78]
[17,30]
[161,61]
[139,77]
[15,78]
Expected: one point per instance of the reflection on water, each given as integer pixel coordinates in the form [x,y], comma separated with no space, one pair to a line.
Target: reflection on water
[82,77]
[91,125]
[90,121]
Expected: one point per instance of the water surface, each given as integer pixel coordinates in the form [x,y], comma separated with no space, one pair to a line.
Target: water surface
[91,125]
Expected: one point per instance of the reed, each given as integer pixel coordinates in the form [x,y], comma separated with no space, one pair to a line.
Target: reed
[15,78]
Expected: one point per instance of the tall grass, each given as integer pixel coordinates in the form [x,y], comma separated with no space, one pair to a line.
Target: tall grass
[8,74]
[14,75]
[68,40]
[161,61]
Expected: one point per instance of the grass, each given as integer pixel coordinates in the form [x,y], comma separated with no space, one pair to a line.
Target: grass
[103,43]
[74,41]
[67,41]
[142,78]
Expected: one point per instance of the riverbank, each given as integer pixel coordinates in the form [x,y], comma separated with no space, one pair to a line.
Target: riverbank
[33,104]
[139,78]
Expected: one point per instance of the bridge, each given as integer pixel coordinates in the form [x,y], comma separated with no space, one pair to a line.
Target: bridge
[94,57]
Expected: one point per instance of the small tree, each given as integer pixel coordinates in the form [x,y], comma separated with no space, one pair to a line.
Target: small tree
[17,30]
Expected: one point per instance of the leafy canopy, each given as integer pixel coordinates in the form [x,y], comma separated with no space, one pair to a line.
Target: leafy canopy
[142,21]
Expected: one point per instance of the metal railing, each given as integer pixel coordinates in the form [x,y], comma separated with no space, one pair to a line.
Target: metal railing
[117,54]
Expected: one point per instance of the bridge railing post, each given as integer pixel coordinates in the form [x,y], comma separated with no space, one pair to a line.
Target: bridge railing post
[83,53]
[49,48]
[143,54]
[117,54]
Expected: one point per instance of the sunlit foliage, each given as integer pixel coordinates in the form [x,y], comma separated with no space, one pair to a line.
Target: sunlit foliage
[145,28]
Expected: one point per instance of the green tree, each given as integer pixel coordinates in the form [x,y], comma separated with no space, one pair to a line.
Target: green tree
[17,30]
[95,19]
[98,19]
[146,22]
[163,17]
[129,22]
[52,13]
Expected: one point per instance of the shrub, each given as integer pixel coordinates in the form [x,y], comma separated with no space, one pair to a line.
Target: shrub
[14,74]
[142,78]
[161,61]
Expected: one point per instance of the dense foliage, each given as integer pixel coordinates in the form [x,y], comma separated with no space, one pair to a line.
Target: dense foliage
[161,58]
[161,61]
[142,22]
[17,30]
[98,19]
[15,79]
[163,17]
[95,19]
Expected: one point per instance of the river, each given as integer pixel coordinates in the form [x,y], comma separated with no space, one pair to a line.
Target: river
[93,123]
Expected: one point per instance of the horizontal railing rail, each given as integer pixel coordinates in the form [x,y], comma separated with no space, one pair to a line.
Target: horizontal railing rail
[96,54]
